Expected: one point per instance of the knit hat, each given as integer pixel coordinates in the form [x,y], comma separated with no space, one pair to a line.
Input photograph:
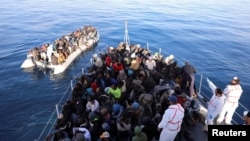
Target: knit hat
[92,116]
[116,108]
[89,91]
[173,99]
[105,126]
[135,106]
[137,130]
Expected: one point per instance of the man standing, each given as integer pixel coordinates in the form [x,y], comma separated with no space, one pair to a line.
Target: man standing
[190,70]
[171,121]
[232,93]
[215,104]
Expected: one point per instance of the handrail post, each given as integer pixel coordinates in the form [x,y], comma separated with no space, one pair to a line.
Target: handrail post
[147,46]
[57,111]
[82,70]
[159,51]
[200,83]
[71,84]
[91,61]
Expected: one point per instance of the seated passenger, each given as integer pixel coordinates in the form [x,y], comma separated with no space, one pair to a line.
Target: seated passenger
[92,105]
[54,59]
[61,57]
[135,63]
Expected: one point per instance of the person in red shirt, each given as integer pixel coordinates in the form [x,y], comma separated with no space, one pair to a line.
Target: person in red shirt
[108,60]
[117,66]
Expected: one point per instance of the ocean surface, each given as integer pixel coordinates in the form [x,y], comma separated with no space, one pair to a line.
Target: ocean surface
[212,35]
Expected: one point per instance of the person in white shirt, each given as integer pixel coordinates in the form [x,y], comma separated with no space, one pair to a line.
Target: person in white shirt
[97,61]
[170,124]
[215,104]
[92,105]
[232,94]
[150,64]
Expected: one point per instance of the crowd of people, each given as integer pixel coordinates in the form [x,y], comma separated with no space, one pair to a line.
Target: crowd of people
[131,94]
[58,51]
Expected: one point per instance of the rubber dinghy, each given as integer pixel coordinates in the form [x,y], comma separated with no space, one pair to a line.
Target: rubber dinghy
[58,55]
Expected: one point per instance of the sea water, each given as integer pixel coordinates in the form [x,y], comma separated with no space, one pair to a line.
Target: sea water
[214,36]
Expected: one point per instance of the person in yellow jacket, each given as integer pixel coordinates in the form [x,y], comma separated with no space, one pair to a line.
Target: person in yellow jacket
[114,91]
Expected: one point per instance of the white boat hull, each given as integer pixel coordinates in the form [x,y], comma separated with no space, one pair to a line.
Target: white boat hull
[28,63]
[57,69]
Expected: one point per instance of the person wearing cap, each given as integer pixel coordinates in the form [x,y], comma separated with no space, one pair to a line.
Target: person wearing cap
[117,110]
[170,124]
[139,135]
[215,104]
[95,123]
[105,136]
[232,94]
[169,60]
[97,61]
[137,113]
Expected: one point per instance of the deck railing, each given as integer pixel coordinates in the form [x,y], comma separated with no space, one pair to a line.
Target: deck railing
[49,127]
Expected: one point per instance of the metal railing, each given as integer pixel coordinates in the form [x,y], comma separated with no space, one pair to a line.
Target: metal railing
[58,107]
